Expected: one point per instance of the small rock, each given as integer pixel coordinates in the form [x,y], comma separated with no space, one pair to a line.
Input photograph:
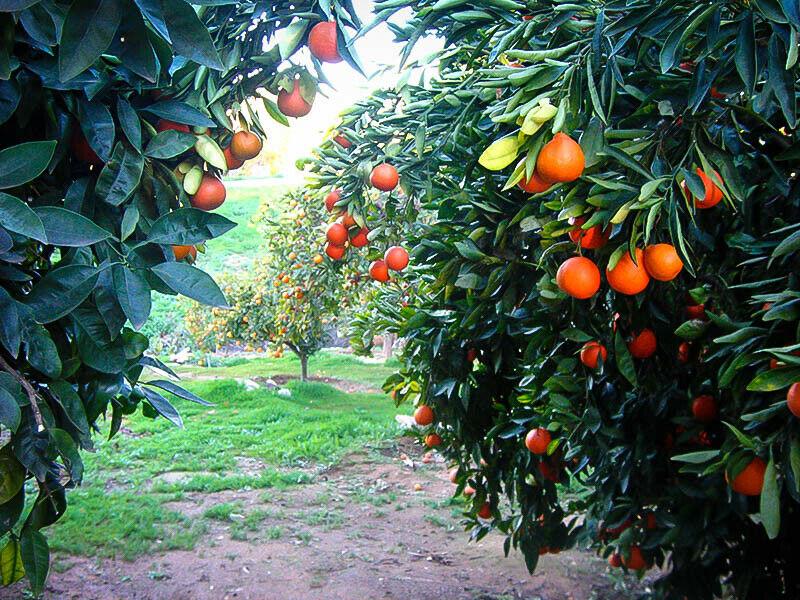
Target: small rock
[285,393]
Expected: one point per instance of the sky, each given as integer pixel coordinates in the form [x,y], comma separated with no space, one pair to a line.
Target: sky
[376,51]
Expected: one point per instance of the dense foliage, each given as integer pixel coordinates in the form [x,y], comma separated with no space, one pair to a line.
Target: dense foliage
[686,114]
[114,115]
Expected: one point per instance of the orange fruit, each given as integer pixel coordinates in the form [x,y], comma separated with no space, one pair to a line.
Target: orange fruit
[334,251]
[336,234]
[423,415]
[292,104]
[210,195]
[704,408]
[590,353]
[628,277]
[643,344]
[751,479]
[793,399]
[662,262]
[332,198]
[230,160]
[560,160]
[342,141]
[537,440]
[591,239]
[635,560]
[683,352]
[696,311]
[317,259]
[432,440]
[713,194]
[384,177]
[167,125]
[578,277]
[182,252]
[472,354]
[396,258]
[534,185]
[82,150]
[379,271]
[485,511]
[615,561]
[453,474]
[322,42]
[245,145]
[359,240]
[469,490]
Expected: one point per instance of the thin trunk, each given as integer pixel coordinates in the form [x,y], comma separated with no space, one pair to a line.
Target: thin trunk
[388,345]
[303,367]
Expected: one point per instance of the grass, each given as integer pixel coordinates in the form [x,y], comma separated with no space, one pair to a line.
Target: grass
[247,440]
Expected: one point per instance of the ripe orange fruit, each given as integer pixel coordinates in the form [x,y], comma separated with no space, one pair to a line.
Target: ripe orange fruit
[578,277]
[683,352]
[210,195]
[359,240]
[166,125]
[590,353]
[485,511]
[246,145]
[537,440]
[472,354]
[696,311]
[182,252]
[384,177]
[336,234]
[453,475]
[379,271]
[560,160]
[230,160]
[317,259]
[322,42]
[643,344]
[628,277]
[704,408]
[342,141]
[615,561]
[432,440]
[713,194]
[332,198]
[292,104]
[423,415]
[662,262]
[635,560]
[469,491]
[751,479]
[534,185]
[590,239]
[82,150]
[334,251]
[396,258]
[793,399]
[347,220]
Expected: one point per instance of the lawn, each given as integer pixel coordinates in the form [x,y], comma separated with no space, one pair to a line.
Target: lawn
[247,440]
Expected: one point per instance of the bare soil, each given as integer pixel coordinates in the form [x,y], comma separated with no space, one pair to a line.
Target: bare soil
[360,531]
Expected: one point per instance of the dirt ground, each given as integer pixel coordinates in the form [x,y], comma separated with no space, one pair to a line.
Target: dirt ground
[360,531]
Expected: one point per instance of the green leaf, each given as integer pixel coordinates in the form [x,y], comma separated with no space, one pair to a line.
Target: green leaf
[121,175]
[133,294]
[774,380]
[696,458]
[188,226]
[10,330]
[770,502]
[794,462]
[41,351]
[500,154]
[178,391]
[191,282]
[162,406]
[98,127]
[35,557]
[24,162]
[692,330]
[11,569]
[190,37]
[180,112]
[61,291]
[170,143]
[745,52]
[18,217]
[789,244]
[12,473]
[10,414]
[69,453]
[624,360]
[87,33]
[130,123]
[66,228]
[71,403]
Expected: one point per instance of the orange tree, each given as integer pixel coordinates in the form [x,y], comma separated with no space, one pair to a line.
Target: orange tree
[605,244]
[294,297]
[117,119]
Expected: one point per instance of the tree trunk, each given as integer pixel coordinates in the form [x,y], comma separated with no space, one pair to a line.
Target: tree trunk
[303,367]
[388,345]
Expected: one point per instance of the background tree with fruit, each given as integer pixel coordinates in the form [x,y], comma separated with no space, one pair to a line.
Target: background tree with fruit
[605,221]
[118,120]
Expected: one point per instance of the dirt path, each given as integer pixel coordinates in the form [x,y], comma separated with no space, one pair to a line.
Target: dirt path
[360,531]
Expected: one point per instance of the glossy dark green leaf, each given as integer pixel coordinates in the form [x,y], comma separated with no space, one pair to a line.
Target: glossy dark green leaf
[188,226]
[15,5]
[170,143]
[24,162]
[129,121]
[745,51]
[66,228]
[18,217]
[180,112]
[10,326]
[98,127]
[133,294]
[178,391]
[190,282]
[10,414]
[774,379]
[770,504]
[35,557]
[87,32]
[61,291]
[41,351]
[121,175]
[190,38]
[162,406]
[71,403]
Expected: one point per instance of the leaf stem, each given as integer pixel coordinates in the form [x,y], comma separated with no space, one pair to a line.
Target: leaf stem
[29,390]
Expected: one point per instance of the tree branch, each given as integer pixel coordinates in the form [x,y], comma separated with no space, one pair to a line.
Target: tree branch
[29,390]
